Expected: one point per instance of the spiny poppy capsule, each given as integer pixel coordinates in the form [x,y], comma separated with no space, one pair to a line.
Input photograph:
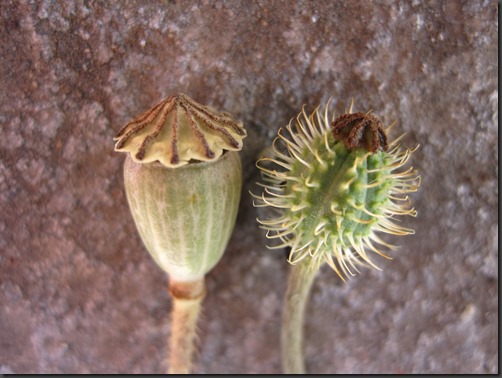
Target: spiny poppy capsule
[335,185]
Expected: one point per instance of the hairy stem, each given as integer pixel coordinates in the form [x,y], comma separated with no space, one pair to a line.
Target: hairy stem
[187,298]
[300,281]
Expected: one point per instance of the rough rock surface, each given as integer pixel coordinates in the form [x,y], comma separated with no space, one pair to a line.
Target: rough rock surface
[78,291]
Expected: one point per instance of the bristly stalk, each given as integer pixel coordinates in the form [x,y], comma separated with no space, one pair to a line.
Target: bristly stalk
[334,184]
[187,300]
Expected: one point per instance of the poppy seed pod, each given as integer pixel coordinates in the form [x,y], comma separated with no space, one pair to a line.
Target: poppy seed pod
[335,185]
[185,215]
[183,180]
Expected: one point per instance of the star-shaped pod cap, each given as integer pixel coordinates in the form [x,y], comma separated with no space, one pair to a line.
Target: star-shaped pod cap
[179,130]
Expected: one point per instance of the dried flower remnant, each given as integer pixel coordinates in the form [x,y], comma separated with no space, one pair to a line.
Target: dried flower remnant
[360,130]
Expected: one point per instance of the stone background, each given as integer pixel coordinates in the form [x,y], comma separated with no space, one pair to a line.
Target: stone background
[79,293]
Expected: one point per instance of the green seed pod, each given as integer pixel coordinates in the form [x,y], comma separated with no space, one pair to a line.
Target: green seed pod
[185,215]
[334,186]
[183,180]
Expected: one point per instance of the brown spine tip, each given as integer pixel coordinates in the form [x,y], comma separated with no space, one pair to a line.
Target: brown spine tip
[360,130]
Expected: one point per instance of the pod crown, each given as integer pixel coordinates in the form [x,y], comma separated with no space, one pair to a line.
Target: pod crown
[179,130]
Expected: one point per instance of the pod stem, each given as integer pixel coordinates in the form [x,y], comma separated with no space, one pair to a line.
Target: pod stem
[187,299]
[300,281]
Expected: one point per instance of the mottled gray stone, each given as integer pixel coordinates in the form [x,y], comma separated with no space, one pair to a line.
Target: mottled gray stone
[79,293]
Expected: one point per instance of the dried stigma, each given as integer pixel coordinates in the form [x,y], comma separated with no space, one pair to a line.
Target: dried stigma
[179,130]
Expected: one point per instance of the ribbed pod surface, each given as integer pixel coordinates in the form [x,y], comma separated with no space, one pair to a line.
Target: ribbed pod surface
[185,216]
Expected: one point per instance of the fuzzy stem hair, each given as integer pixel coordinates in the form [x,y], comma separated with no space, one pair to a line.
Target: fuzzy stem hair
[187,299]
